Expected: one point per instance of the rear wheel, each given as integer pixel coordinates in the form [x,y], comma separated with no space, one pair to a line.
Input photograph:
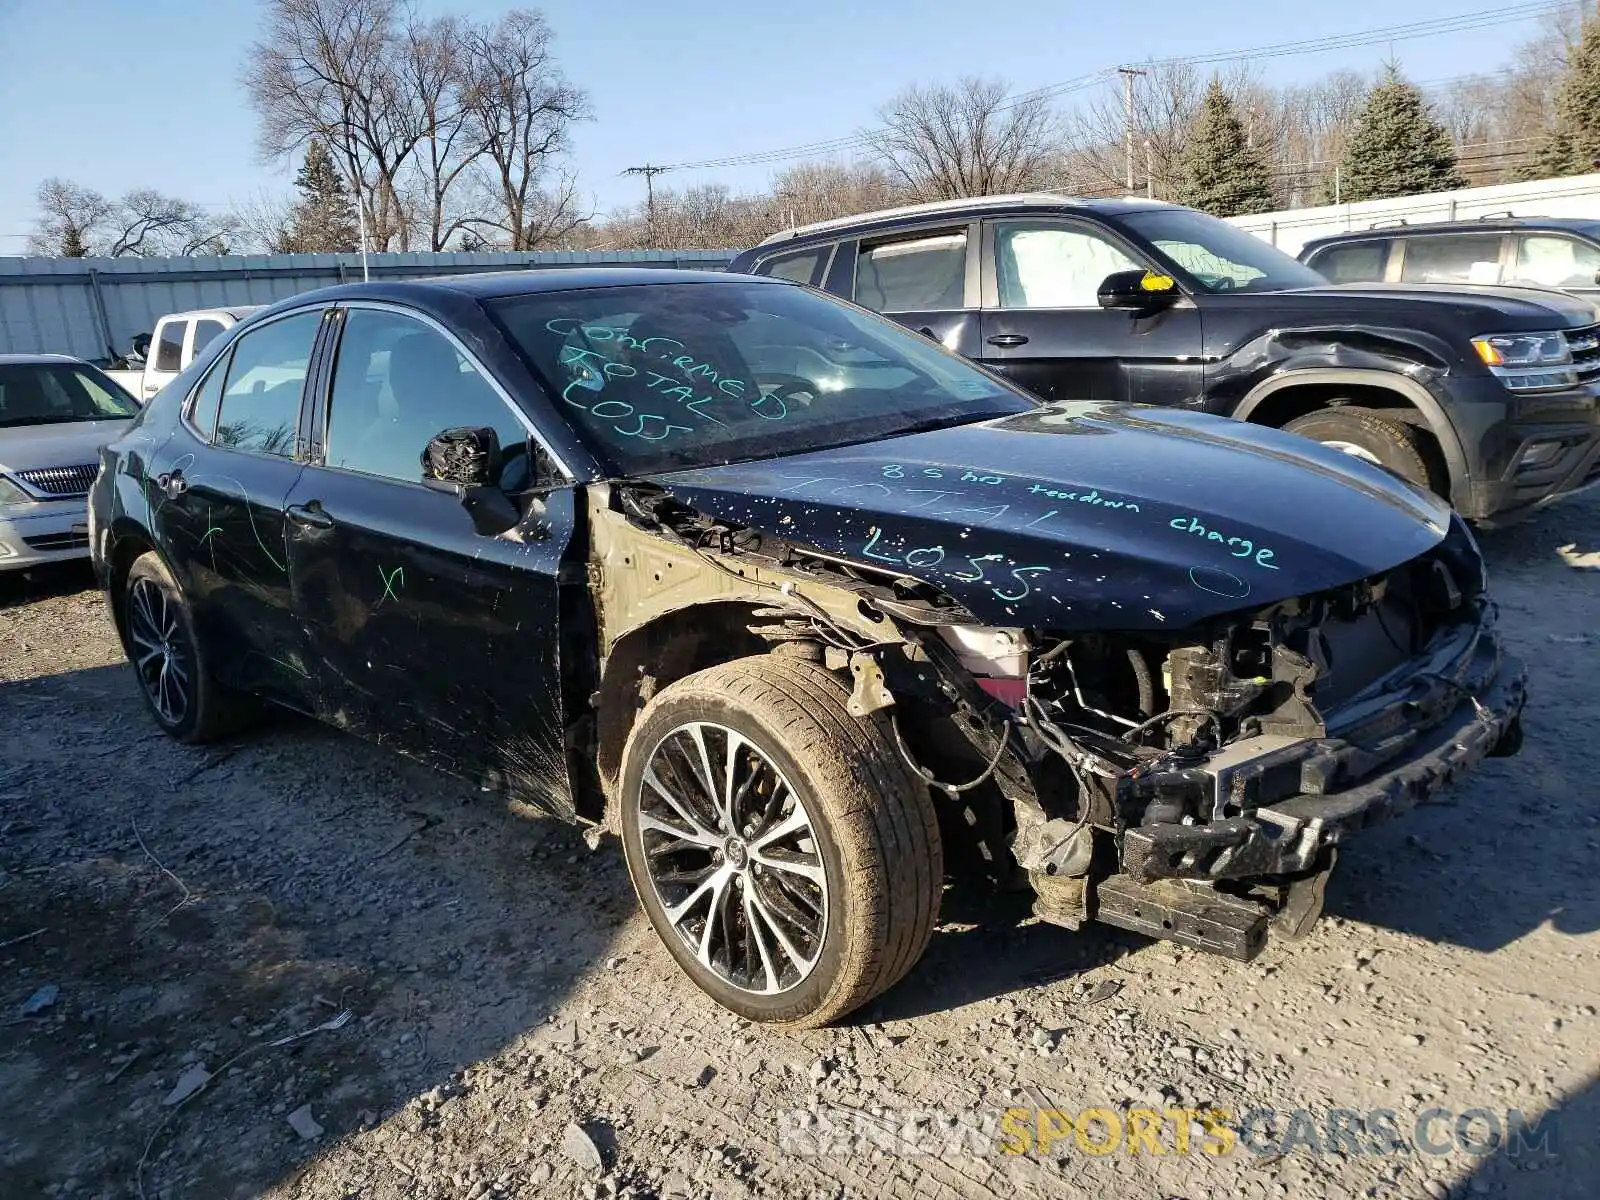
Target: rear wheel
[1367,434]
[171,666]
[780,847]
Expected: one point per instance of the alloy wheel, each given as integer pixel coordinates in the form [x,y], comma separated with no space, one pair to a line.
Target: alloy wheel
[161,655]
[733,858]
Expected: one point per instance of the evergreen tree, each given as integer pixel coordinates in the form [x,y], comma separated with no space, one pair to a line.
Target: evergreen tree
[1222,173]
[72,243]
[1396,148]
[324,219]
[1573,147]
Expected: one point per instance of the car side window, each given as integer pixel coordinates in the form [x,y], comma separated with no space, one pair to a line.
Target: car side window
[1053,266]
[802,266]
[398,383]
[260,409]
[1453,258]
[923,274]
[169,346]
[205,330]
[1362,262]
[1551,260]
[203,409]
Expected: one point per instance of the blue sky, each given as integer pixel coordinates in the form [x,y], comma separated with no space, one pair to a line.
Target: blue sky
[116,94]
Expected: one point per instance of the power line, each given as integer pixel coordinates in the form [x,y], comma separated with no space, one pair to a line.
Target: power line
[1462,22]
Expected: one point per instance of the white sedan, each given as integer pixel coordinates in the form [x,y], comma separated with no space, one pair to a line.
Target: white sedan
[55,414]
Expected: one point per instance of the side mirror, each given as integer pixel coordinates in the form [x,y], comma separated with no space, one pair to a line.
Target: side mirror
[1138,291]
[465,463]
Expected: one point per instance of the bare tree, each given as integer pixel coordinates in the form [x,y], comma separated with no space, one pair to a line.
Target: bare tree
[968,139]
[1166,100]
[524,110]
[819,191]
[327,69]
[72,218]
[75,221]
[262,223]
[435,68]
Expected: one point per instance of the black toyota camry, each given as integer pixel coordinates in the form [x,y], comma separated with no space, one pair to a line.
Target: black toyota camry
[808,611]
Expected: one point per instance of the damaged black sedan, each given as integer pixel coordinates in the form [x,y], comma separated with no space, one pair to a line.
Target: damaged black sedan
[805,609]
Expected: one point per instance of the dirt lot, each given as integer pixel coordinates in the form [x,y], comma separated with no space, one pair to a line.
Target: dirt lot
[512,1015]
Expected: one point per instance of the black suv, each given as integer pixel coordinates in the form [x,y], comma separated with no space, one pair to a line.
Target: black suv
[1552,252]
[1485,395]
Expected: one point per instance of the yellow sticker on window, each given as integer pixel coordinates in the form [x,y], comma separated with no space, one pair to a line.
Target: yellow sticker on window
[1157,283]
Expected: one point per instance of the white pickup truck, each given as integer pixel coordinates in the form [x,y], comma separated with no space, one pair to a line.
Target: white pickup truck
[178,337]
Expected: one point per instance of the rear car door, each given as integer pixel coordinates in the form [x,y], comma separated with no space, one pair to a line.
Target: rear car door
[1354,262]
[1452,257]
[219,507]
[430,636]
[924,278]
[1043,325]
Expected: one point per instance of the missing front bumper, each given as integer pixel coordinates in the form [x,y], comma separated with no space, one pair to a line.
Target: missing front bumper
[1286,837]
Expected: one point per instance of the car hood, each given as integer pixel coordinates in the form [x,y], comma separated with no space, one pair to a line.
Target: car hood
[68,444]
[1087,515]
[1480,307]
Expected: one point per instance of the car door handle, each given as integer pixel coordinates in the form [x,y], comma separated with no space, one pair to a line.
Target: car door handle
[311,514]
[1007,340]
[173,484]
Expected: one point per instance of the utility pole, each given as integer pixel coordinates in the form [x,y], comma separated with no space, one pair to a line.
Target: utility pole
[1127,74]
[649,172]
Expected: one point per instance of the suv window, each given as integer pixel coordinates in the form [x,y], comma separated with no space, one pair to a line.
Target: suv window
[169,346]
[1053,266]
[1362,262]
[924,274]
[261,400]
[398,383]
[1551,260]
[802,266]
[1452,258]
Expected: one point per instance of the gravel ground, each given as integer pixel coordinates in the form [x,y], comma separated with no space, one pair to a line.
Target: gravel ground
[175,914]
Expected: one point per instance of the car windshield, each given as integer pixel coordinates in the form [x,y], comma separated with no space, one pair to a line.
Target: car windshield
[58,394]
[1220,257]
[658,377]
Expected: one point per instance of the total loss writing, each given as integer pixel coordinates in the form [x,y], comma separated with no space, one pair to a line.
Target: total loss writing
[593,369]
[1010,587]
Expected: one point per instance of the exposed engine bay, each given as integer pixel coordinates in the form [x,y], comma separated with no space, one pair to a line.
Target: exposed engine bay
[1190,784]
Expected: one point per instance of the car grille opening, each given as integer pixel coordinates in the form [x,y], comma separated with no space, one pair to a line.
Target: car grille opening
[58,541]
[1585,347]
[60,481]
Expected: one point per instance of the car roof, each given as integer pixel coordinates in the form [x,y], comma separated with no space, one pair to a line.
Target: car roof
[237,311]
[1498,224]
[40,358]
[971,206]
[491,285]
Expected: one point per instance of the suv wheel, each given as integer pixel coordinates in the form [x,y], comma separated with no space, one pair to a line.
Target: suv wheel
[781,849]
[1367,434]
[171,666]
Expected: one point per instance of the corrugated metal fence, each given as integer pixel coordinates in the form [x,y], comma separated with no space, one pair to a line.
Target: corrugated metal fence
[92,307]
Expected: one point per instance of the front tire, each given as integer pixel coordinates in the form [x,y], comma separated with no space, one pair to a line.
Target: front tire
[171,665]
[787,858]
[1367,434]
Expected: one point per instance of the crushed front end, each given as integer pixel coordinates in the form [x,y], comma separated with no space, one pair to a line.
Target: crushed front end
[1213,773]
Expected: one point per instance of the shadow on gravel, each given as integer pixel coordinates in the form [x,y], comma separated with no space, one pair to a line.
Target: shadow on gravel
[994,949]
[184,907]
[55,579]
[1557,1157]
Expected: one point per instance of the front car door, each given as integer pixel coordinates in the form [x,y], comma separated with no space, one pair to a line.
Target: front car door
[1043,325]
[925,278]
[1556,260]
[431,637]
[220,499]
